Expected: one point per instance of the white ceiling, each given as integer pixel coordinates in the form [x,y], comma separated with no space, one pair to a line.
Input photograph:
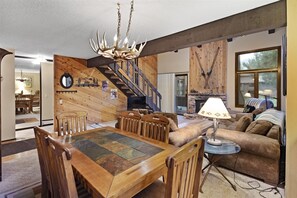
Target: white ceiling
[47,27]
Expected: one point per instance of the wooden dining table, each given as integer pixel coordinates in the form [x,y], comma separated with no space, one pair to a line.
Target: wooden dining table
[115,163]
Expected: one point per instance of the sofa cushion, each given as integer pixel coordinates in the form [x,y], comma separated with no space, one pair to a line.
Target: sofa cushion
[251,143]
[184,135]
[172,125]
[274,133]
[243,123]
[260,127]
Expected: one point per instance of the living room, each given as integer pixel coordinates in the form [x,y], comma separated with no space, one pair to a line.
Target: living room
[238,44]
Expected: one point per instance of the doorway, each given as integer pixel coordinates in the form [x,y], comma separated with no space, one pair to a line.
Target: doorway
[29,83]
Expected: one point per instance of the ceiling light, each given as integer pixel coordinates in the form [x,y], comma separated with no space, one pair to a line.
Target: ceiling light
[120,50]
[38,60]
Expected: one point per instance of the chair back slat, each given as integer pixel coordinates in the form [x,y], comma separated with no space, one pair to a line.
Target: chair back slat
[130,121]
[155,127]
[61,156]
[44,161]
[71,122]
[184,170]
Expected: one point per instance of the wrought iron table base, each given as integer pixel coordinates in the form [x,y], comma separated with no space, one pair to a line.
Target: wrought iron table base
[212,163]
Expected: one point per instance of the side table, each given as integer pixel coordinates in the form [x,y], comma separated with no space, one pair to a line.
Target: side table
[215,153]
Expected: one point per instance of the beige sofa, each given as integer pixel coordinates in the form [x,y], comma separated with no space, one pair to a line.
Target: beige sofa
[260,147]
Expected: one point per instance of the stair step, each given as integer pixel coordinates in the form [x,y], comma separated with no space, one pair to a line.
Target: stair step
[120,82]
[104,66]
[125,87]
[108,72]
[129,92]
[114,77]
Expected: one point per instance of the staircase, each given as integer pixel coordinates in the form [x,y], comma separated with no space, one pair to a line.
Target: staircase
[132,82]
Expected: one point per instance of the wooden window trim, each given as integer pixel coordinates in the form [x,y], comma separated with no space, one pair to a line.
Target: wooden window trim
[256,75]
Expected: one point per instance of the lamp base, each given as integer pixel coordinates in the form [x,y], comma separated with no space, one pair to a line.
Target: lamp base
[214,142]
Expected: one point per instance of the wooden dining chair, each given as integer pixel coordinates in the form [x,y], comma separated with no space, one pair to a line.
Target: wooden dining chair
[44,161]
[64,185]
[183,176]
[71,122]
[155,127]
[130,121]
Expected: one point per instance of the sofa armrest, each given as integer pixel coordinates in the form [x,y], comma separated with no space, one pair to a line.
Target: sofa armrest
[252,143]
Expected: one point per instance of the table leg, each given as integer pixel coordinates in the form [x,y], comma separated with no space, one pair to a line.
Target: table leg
[232,185]
[212,160]
[204,178]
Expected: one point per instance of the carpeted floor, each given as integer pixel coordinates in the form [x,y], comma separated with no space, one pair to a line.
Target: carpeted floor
[19,171]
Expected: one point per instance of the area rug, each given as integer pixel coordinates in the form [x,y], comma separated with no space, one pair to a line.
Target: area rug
[18,146]
[19,171]
[29,191]
[25,120]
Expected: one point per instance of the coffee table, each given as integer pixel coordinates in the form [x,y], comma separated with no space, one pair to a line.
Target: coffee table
[215,153]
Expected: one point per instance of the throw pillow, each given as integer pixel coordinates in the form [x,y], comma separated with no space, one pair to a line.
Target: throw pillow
[172,125]
[260,127]
[243,123]
[248,109]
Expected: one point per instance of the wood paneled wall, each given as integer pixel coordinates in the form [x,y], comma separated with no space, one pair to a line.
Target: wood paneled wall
[149,66]
[217,78]
[94,100]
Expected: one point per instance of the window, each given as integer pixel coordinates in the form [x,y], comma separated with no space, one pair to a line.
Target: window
[257,75]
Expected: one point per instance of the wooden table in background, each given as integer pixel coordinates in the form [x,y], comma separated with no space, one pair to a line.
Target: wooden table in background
[114,163]
[23,103]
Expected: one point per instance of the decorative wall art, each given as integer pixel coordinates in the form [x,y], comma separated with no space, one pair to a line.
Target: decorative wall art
[113,94]
[104,85]
[87,82]
[28,83]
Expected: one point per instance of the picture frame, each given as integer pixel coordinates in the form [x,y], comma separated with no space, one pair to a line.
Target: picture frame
[28,83]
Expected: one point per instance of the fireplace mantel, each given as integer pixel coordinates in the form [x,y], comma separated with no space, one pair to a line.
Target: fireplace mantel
[202,97]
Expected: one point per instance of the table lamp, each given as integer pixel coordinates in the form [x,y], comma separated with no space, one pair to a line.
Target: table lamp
[214,108]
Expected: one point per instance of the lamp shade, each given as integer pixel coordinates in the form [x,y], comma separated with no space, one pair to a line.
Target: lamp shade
[214,108]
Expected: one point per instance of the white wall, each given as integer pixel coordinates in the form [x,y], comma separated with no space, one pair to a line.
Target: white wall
[47,95]
[174,62]
[169,64]
[245,43]
[166,88]
[8,97]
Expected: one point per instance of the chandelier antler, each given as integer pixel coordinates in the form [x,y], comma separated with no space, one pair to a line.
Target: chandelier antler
[120,50]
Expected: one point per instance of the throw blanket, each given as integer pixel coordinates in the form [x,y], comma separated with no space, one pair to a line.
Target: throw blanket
[259,103]
[276,117]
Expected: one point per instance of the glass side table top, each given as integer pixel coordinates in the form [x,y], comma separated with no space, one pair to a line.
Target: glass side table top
[227,147]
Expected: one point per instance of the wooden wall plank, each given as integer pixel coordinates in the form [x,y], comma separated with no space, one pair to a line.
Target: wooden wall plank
[217,79]
[94,100]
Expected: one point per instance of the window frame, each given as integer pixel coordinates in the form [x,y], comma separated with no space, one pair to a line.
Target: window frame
[256,73]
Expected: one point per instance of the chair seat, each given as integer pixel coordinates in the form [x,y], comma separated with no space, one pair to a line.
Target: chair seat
[156,189]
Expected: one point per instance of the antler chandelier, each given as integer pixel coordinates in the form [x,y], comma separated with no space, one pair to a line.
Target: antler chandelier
[121,50]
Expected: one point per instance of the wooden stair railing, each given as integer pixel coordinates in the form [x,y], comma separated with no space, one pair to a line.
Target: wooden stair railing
[132,82]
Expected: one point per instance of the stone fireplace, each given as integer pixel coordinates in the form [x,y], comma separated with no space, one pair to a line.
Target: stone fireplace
[197,100]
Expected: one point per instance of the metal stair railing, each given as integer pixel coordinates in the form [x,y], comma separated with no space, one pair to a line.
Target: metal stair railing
[136,80]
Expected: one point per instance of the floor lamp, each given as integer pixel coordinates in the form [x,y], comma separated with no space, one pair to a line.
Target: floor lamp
[3,53]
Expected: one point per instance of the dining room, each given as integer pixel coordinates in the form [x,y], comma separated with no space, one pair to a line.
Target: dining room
[119,156]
